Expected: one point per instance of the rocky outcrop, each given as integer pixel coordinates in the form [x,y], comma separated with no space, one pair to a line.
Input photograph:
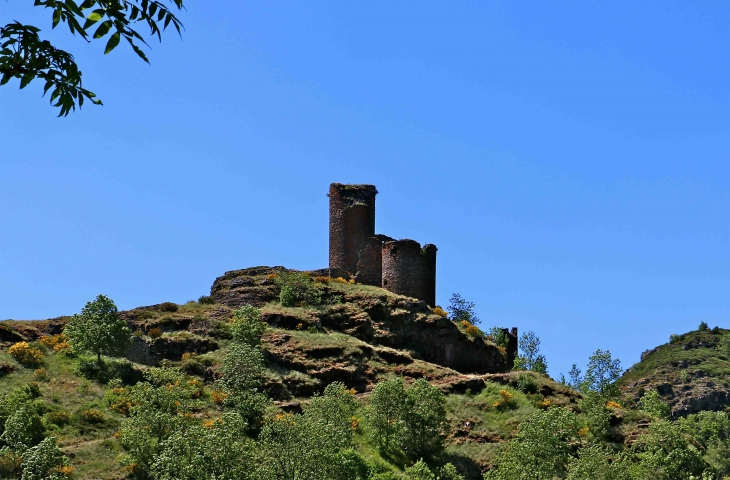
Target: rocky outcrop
[690,374]
[370,314]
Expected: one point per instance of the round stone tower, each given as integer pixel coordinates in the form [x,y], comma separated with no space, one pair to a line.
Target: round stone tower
[352,223]
[410,270]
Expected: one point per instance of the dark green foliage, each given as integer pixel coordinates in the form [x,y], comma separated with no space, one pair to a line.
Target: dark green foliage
[602,373]
[526,384]
[98,329]
[206,300]
[25,56]
[424,421]
[703,327]
[168,307]
[108,369]
[460,310]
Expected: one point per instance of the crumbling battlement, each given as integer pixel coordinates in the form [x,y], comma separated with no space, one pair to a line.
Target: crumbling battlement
[400,266]
[352,223]
[410,270]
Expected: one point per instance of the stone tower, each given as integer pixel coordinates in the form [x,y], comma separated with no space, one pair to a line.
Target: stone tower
[410,270]
[352,223]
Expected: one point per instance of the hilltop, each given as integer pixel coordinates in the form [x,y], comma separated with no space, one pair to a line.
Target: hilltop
[358,335]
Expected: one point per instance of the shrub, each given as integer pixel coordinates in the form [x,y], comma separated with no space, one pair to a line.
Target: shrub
[92,416]
[526,384]
[218,397]
[675,339]
[40,374]
[206,300]
[652,403]
[154,332]
[26,355]
[168,307]
[498,337]
[703,327]
[506,400]
[340,280]
[58,417]
[298,287]
[439,311]
[322,279]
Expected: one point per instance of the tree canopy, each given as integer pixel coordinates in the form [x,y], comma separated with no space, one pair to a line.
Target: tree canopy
[98,329]
[26,56]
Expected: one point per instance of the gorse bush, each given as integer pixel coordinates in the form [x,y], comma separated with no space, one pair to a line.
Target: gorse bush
[26,355]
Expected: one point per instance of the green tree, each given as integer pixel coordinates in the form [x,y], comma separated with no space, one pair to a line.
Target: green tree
[652,403]
[596,463]
[419,471]
[247,327]
[531,359]
[424,421]
[220,451]
[160,406]
[42,462]
[312,445]
[541,449]
[460,309]
[602,373]
[99,330]
[665,453]
[388,401]
[24,55]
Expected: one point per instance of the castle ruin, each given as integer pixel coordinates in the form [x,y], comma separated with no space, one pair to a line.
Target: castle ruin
[399,266]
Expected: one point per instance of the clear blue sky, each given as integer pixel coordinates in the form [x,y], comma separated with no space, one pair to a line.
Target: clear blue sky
[571,160]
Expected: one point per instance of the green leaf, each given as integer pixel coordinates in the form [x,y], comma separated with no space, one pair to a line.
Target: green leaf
[94,17]
[139,52]
[56,17]
[103,29]
[27,78]
[87,4]
[112,43]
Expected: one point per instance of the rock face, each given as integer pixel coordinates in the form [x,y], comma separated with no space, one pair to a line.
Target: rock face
[691,374]
[370,314]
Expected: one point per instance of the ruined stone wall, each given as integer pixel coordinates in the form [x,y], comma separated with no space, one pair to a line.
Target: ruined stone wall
[410,270]
[370,261]
[352,223]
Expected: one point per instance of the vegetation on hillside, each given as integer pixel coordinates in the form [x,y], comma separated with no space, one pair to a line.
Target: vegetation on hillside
[302,401]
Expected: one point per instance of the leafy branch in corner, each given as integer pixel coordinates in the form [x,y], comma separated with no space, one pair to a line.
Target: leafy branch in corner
[24,55]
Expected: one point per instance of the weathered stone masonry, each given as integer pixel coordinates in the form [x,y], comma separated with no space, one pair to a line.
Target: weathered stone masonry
[400,266]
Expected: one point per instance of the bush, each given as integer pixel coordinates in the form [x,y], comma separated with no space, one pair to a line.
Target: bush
[58,417]
[526,384]
[652,403]
[154,332]
[92,416]
[105,371]
[498,337]
[168,307]
[703,327]
[298,288]
[40,374]
[439,311]
[26,355]
[206,300]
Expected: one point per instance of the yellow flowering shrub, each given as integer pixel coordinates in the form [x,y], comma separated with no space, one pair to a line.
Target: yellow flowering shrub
[439,311]
[65,470]
[613,404]
[40,374]
[154,332]
[339,280]
[583,431]
[506,400]
[218,397]
[92,416]
[26,355]
[322,279]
